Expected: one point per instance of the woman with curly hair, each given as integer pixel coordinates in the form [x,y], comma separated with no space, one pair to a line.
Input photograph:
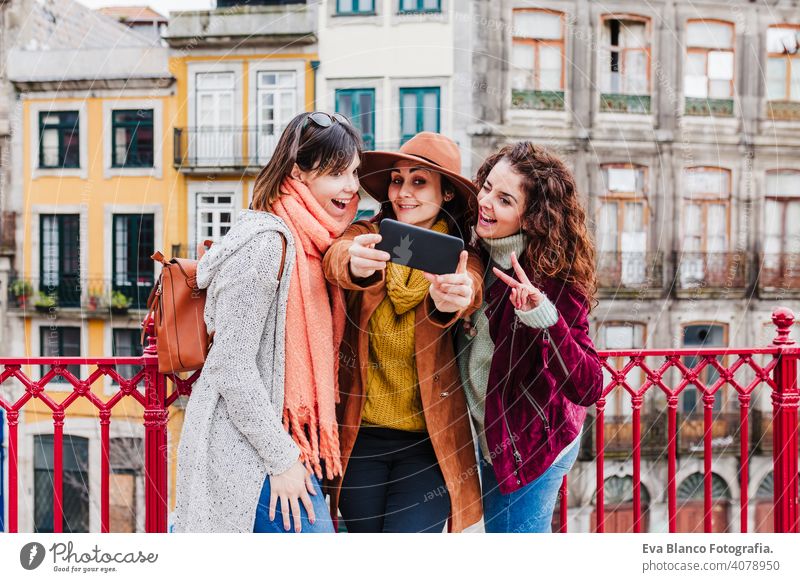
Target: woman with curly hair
[528,365]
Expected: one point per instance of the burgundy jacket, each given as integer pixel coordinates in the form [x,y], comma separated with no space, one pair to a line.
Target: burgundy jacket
[540,383]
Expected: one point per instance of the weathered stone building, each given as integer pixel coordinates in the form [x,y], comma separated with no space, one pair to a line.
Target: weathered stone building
[680,121]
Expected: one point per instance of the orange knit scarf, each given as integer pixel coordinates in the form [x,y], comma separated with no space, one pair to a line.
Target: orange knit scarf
[315,323]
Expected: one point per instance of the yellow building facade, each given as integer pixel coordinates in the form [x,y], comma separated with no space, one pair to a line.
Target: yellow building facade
[112,165]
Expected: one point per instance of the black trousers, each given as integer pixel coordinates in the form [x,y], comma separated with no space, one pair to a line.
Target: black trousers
[393,484]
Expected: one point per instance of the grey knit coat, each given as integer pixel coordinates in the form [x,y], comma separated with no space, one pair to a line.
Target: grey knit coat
[232,435]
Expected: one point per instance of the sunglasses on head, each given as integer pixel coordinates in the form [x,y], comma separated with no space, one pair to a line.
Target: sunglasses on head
[322,119]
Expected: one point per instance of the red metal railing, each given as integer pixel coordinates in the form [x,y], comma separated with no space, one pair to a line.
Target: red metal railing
[779,374]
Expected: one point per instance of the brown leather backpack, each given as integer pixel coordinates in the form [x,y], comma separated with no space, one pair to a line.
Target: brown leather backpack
[176,305]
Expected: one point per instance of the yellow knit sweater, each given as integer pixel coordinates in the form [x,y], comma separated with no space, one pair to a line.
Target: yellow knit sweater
[392,394]
[393,398]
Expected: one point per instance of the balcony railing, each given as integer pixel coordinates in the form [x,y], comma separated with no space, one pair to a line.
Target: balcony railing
[618,436]
[779,272]
[725,433]
[784,110]
[95,296]
[718,271]
[620,103]
[223,148]
[701,106]
[630,271]
[773,368]
[542,100]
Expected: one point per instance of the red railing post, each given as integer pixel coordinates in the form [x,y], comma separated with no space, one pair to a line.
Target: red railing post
[784,424]
[672,456]
[636,403]
[600,507]
[105,470]
[155,439]
[13,471]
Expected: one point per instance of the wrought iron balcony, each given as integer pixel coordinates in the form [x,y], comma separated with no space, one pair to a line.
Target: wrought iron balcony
[725,433]
[712,271]
[779,272]
[222,149]
[620,103]
[541,100]
[784,110]
[618,436]
[700,106]
[630,271]
[93,297]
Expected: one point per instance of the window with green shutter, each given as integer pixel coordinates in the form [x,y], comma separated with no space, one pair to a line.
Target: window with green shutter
[355,7]
[75,483]
[60,342]
[132,138]
[132,245]
[59,258]
[419,111]
[126,342]
[420,6]
[59,139]
[358,105]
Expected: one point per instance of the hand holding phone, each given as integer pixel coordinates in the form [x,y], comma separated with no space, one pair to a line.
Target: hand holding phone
[419,248]
[454,292]
[365,259]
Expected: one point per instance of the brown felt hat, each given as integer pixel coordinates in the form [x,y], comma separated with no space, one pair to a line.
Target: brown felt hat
[428,149]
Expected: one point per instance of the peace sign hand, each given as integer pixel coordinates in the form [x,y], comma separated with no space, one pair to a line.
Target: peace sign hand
[454,292]
[524,296]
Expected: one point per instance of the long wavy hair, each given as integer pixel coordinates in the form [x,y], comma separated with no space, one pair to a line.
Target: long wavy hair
[559,246]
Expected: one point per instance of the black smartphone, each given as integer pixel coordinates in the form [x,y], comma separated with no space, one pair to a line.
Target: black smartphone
[420,248]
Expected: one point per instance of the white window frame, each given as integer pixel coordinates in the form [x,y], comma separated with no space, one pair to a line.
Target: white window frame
[157,105]
[195,189]
[266,66]
[529,116]
[195,68]
[37,107]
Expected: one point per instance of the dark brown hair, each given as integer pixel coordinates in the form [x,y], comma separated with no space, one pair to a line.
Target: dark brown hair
[458,213]
[325,150]
[559,243]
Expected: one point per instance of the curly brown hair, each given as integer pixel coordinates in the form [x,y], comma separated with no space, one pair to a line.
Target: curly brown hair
[559,243]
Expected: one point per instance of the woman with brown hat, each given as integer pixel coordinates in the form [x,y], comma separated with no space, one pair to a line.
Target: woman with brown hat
[408,457]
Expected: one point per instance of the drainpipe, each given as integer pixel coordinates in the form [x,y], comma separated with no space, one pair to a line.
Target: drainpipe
[314,67]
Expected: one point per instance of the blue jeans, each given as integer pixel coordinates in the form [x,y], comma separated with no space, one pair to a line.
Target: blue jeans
[322,522]
[526,510]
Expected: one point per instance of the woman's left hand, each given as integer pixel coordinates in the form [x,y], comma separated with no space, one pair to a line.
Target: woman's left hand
[452,293]
[524,296]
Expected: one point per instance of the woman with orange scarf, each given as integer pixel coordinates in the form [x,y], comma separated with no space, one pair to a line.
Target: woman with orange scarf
[260,429]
